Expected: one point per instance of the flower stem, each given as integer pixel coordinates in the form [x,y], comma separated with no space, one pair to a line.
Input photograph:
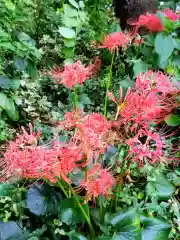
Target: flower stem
[87,217]
[76,98]
[108,84]
[63,189]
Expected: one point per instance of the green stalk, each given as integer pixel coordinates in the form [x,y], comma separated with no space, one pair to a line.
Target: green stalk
[76,98]
[84,213]
[63,189]
[108,84]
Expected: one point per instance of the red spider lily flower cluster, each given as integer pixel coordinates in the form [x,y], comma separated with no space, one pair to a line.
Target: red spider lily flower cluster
[75,73]
[149,149]
[171,15]
[150,21]
[152,99]
[115,40]
[91,131]
[99,182]
[27,160]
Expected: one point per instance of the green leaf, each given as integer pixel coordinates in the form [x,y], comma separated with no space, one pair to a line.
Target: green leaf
[69,42]
[69,22]
[154,228]
[103,238]
[68,52]
[164,189]
[6,189]
[70,212]
[5,82]
[172,120]
[177,43]
[7,46]
[3,100]
[70,11]
[10,5]
[42,200]
[10,230]
[164,46]
[74,3]
[67,32]
[140,66]
[127,224]
[11,110]
[76,236]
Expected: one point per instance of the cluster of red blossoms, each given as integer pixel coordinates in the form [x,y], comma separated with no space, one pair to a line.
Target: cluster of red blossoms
[152,99]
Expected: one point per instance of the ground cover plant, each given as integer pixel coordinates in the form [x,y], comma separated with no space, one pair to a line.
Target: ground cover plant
[89,122]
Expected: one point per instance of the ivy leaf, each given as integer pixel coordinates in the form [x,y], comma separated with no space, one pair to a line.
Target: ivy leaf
[154,228]
[10,230]
[164,46]
[41,200]
[74,3]
[67,32]
[172,120]
[70,11]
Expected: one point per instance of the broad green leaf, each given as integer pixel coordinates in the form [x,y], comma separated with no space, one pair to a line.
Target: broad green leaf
[76,236]
[126,224]
[127,233]
[3,35]
[103,238]
[82,16]
[164,46]
[6,189]
[140,66]
[5,82]
[11,110]
[69,22]
[67,32]
[70,11]
[68,52]
[7,46]
[172,120]
[10,5]
[69,42]
[3,100]
[154,228]
[176,61]
[177,43]
[42,200]
[74,3]
[10,230]
[70,212]
[162,187]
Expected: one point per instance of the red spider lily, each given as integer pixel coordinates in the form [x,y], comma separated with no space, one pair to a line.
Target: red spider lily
[150,101]
[156,81]
[27,160]
[150,21]
[114,41]
[76,73]
[90,133]
[98,182]
[146,146]
[171,15]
